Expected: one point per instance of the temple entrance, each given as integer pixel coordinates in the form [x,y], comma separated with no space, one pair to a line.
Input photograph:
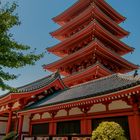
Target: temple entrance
[68,127]
[40,129]
[123,121]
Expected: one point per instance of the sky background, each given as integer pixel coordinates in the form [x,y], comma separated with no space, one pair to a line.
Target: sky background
[36,16]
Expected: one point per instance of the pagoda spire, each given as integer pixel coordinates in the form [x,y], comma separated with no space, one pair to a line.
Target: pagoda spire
[90,46]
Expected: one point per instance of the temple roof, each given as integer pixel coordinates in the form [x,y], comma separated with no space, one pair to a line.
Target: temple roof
[99,31]
[39,83]
[102,86]
[36,84]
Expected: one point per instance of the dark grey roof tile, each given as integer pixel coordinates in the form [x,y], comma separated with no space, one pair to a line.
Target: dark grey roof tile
[94,88]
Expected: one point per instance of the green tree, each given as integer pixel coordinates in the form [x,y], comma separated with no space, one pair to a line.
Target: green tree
[108,131]
[12,53]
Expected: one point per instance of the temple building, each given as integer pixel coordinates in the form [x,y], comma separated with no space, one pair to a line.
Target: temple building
[89,84]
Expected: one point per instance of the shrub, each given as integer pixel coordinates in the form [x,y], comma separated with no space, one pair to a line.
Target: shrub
[10,136]
[108,131]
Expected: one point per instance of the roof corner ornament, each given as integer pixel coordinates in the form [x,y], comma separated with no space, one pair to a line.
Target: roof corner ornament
[135,73]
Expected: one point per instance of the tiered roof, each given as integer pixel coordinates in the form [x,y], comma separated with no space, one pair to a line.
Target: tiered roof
[99,32]
[101,50]
[84,18]
[81,5]
[90,33]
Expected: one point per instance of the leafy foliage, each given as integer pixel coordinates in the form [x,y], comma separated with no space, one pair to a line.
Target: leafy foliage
[10,136]
[12,53]
[108,131]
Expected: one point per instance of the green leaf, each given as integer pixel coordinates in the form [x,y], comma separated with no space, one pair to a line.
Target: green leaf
[12,53]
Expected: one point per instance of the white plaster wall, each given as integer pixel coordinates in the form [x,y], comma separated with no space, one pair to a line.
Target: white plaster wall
[61,113]
[14,117]
[2,108]
[118,105]
[3,118]
[6,107]
[97,108]
[46,115]
[1,137]
[36,117]
[75,111]
[16,105]
[26,122]
[3,126]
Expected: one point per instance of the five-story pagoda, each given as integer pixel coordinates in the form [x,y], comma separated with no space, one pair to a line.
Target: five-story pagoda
[91,45]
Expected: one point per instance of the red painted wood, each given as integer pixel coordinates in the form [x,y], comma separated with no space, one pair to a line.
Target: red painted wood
[86,126]
[9,122]
[64,17]
[3,120]
[86,120]
[136,125]
[20,125]
[52,128]
[131,128]
[14,97]
[110,97]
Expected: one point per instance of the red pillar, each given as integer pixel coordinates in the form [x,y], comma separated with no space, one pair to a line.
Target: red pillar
[137,125]
[52,128]
[86,126]
[134,122]
[9,122]
[131,127]
[20,125]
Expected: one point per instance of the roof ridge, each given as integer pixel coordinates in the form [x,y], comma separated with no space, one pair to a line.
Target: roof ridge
[53,74]
[119,75]
[95,80]
[129,77]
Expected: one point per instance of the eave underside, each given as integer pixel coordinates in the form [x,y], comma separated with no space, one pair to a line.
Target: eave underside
[94,72]
[94,47]
[96,30]
[36,88]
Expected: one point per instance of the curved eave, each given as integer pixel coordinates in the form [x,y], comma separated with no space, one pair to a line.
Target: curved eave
[28,93]
[101,49]
[111,11]
[97,69]
[106,34]
[59,34]
[63,17]
[106,94]
[124,49]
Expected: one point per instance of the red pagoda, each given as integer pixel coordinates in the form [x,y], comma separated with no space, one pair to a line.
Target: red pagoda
[91,47]
[95,87]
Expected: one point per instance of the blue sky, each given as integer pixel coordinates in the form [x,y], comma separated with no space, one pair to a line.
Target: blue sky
[36,15]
